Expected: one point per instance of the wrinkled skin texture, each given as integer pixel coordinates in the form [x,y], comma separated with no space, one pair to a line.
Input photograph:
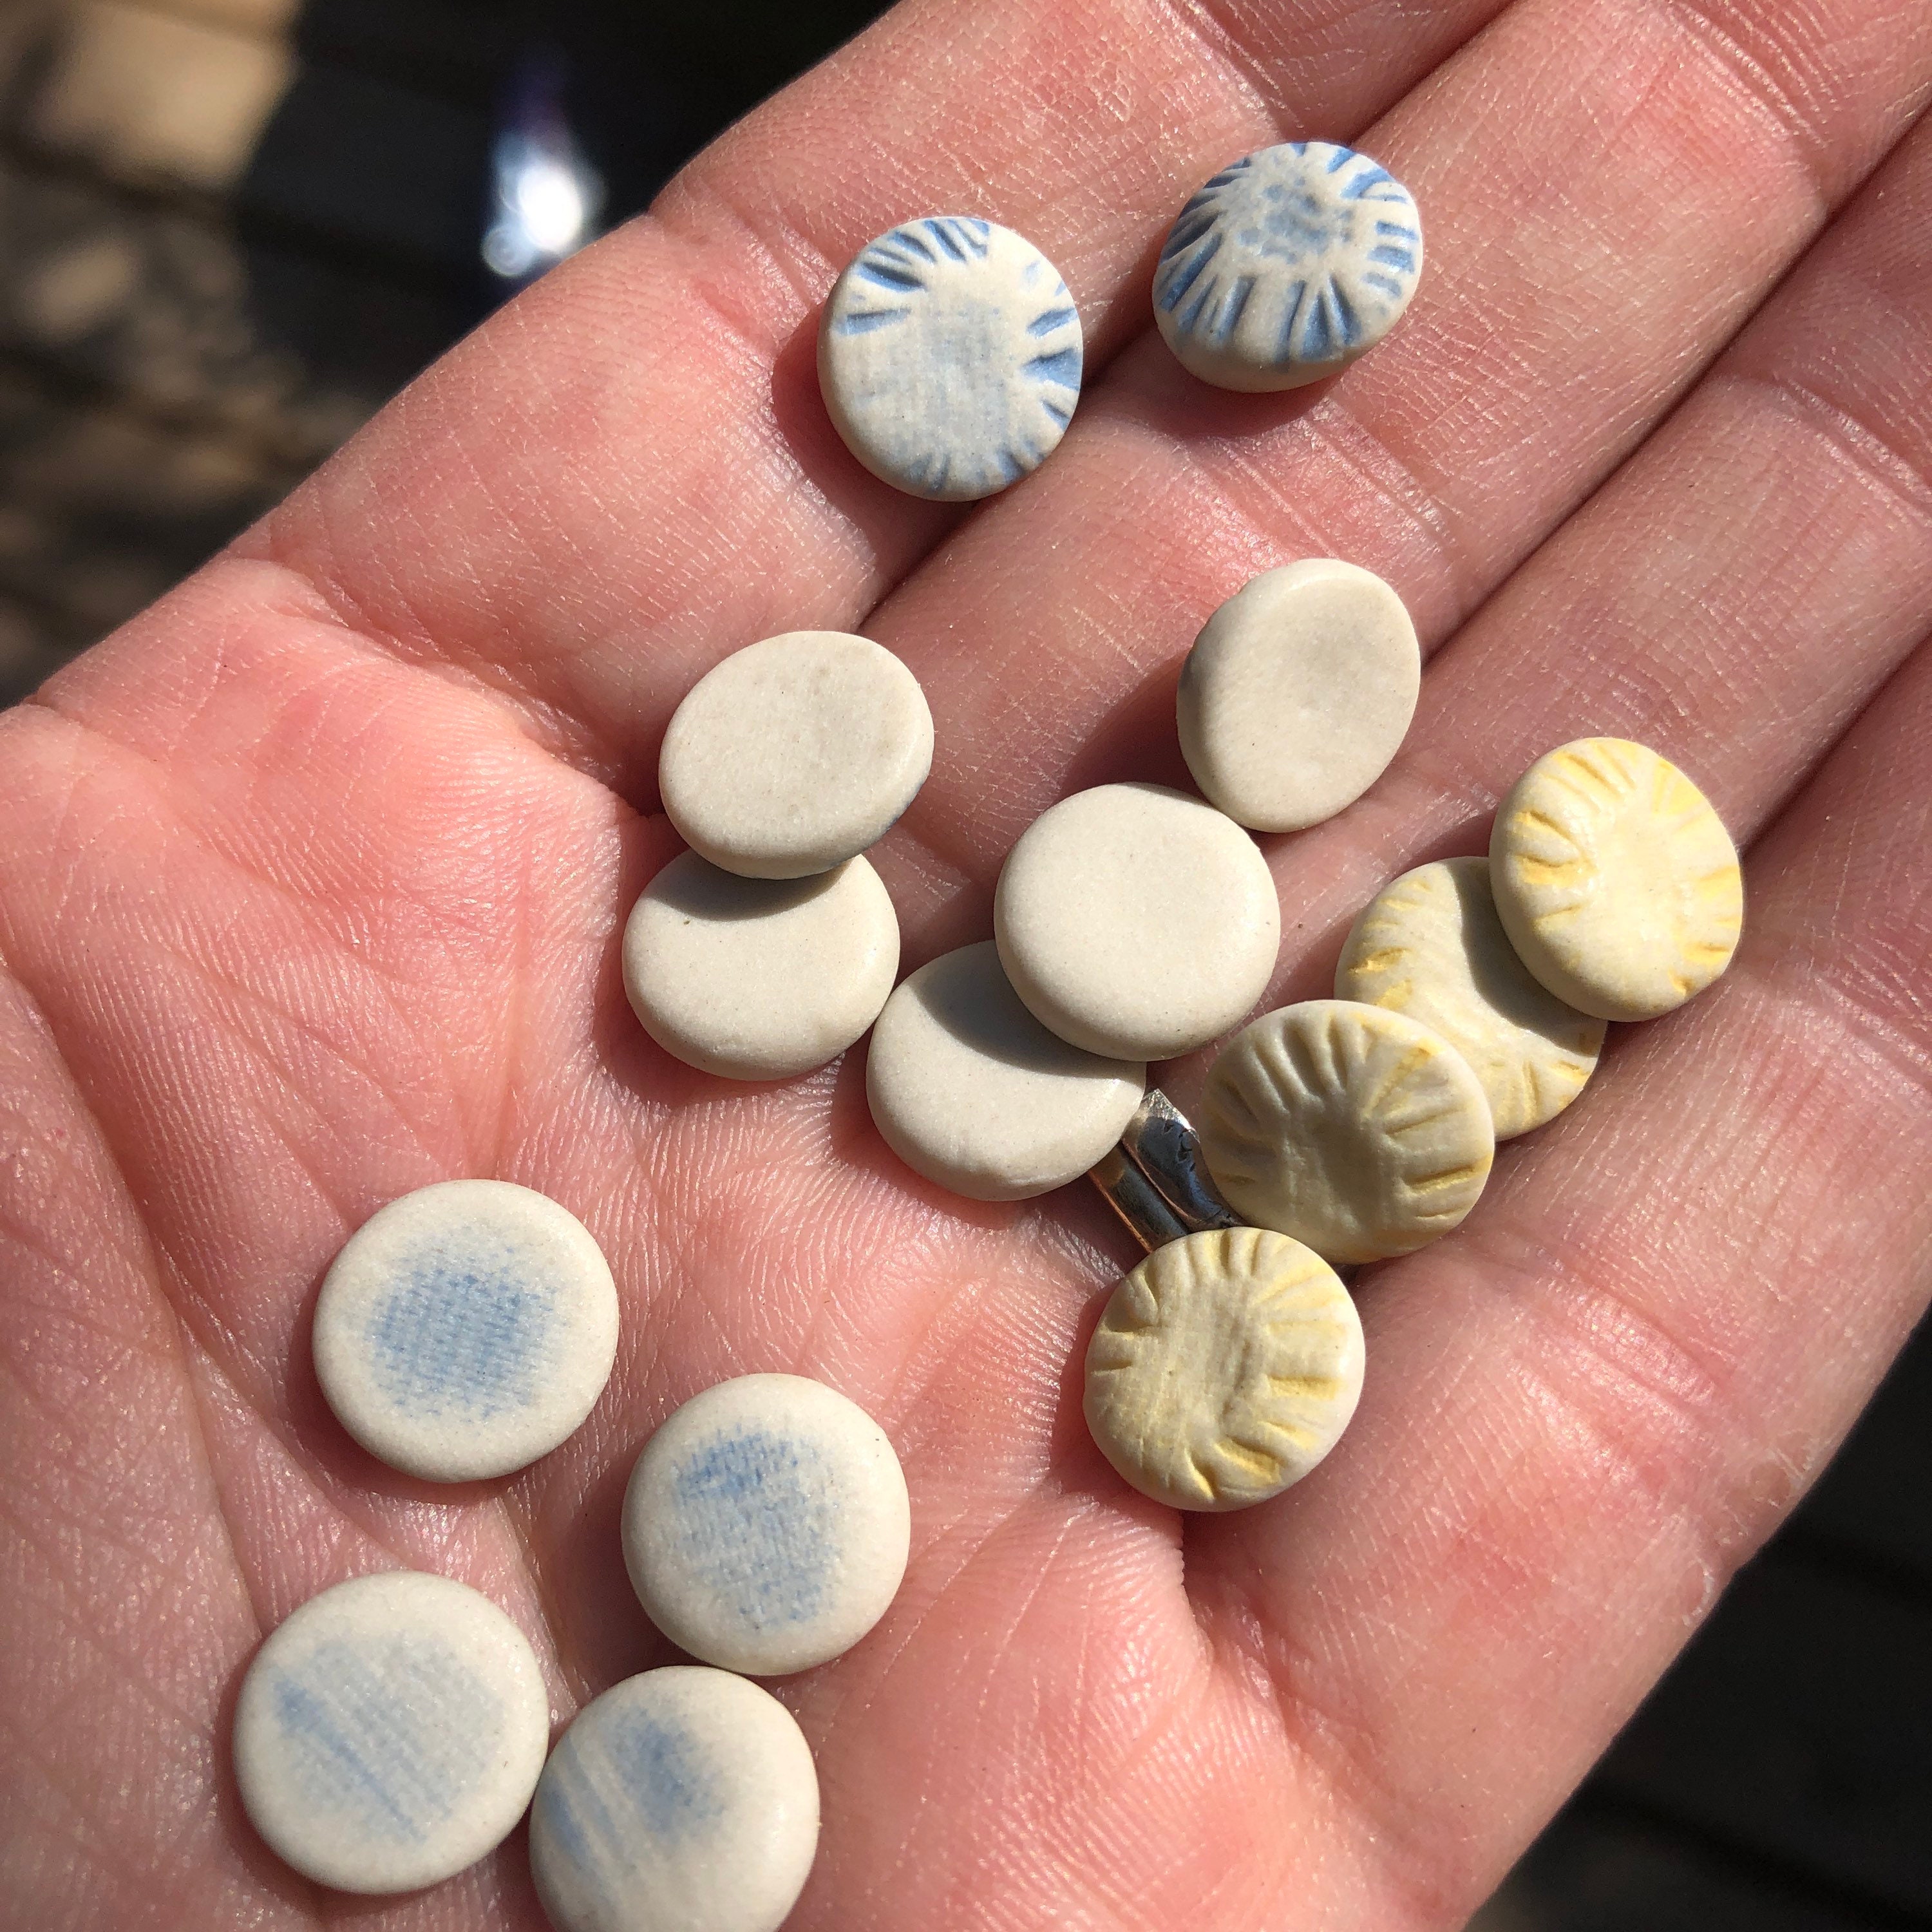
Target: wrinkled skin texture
[311,880]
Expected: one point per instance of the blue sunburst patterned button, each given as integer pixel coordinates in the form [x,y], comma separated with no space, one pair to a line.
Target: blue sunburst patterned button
[1288,266]
[950,356]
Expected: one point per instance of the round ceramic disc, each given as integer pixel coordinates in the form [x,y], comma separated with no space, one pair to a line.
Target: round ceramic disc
[970,1090]
[766,1524]
[1429,945]
[1286,266]
[1297,693]
[950,357]
[465,1329]
[390,1732]
[1136,922]
[794,755]
[683,1800]
[1354,1129]
[1225,1367]
[760,978]
[1615,880]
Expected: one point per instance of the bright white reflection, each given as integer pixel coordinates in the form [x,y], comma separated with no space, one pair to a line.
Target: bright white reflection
[546,196]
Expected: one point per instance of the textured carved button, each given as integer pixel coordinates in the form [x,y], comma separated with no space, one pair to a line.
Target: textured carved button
[1430,945]
[1357,1130]
[1224,1369]
[950,357]
[1614,879]
[1287,265]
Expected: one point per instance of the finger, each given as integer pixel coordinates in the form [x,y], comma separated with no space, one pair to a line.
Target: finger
[1552,329]
[629,472]
[1587,1407]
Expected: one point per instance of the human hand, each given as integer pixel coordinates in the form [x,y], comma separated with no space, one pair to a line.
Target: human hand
[311,878]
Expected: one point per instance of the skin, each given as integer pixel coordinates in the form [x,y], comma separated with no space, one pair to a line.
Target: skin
[311,877]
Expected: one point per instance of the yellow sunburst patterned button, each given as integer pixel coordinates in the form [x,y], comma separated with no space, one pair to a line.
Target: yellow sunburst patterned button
[1357,1130]
[1616,879]
[1224,1369]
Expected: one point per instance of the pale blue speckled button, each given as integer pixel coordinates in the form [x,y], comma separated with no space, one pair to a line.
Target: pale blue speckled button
[766,1524]
[390,1732]
[682,1800]
[950,356]
[1288,266]
[466,1330]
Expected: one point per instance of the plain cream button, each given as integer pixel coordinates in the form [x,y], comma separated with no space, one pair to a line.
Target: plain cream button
[1136,922]
[682,1800]
[1297,693]
[970,1090]
[1286,266]
[950,357]
[1354,1129]
[795,754]
[760,978]
[766,1524]
[390,1732]
[1429,945]
[1225,1367]
[1614,880]
[466,1329]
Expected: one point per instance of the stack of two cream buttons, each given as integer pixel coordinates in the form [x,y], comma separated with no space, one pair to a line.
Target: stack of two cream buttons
[769,948]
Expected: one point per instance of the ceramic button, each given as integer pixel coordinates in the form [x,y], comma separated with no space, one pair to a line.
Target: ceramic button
[970,1090]
[466,1330]
[766,1525]
[1355,1129]
[1225,1367]
[760,978]
[1297,693]
[390,1732]
[1430,945]
[1286,266]
[950,357]
[683,1800]
[794,755]
[1135,921]
[1614,879]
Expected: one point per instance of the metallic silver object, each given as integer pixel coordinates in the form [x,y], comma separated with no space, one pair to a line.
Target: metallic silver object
[1155,1180]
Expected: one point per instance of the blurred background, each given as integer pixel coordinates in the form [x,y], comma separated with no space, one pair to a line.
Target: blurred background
[229,229]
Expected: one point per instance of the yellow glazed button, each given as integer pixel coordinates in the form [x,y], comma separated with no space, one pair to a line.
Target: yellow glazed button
[1225,1368]
[1355,1129]
[1615,880]
[1430,945]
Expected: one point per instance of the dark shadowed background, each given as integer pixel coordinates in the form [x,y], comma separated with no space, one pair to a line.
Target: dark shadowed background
[229,229]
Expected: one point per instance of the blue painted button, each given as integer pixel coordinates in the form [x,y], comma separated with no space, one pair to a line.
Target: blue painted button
[950,356]
[766,1524]
[682,1800]
[390,1731]
[1287,266]
[466,1330]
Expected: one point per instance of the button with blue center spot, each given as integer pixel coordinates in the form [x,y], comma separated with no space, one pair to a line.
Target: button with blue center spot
[466,1330]
[1286,266]
[950,357]
[682,1800]
[766,1524]
[390,1732]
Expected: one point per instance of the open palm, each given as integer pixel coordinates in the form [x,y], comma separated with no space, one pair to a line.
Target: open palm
[311,882]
